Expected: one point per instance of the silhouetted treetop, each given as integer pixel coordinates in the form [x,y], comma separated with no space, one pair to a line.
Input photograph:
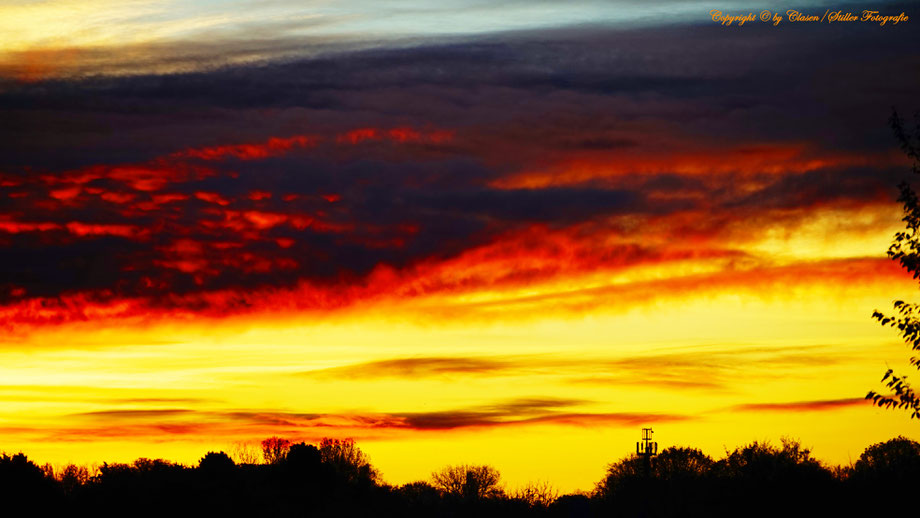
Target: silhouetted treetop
[73,477]
[897,458]
[420,494]
[332,480]
[536,494]
[303,454]
[763,461]
[20,478]
[345,456]
[671,464]
[216,462]
[681,462]
[274,449]
[468,481]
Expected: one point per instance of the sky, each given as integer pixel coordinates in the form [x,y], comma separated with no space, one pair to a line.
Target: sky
[506,232]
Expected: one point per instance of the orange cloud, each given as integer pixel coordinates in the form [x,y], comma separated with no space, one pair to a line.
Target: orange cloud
[803,406]
[433,285]
[640,252]
[740,161]
[174,423]
[34,65]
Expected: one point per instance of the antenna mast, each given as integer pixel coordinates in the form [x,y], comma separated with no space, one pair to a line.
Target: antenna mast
[647,447]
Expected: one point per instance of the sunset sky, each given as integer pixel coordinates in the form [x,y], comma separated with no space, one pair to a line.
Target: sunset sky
[506,232]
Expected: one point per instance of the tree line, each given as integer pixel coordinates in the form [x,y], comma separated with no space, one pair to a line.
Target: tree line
[336,478]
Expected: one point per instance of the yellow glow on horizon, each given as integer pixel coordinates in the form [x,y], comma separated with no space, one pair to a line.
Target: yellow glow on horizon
[812,343]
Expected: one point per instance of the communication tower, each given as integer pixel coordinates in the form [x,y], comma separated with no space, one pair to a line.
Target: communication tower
[647,447]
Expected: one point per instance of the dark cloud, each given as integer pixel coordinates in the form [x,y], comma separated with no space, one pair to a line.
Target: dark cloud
[269,418]
[452,420]
[699,77]
[710,370]
[561,206]
[801,406]
[514,412]
[416,367]
[522,412]
[142,186]
[825,187]
[179,421]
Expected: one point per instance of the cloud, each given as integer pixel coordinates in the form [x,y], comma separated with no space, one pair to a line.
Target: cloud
[416,367]
[711,370]
[801,406]
[527,411]
[293,184]
[174,423]
[463,419]
[134,414]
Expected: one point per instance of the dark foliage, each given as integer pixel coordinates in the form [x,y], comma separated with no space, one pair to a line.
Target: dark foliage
[274,449]
[668,485]
[891,462]
[906,250]
[468,483]
[216,463]
[890,468]
[25,488]
[336,479]
[348,460]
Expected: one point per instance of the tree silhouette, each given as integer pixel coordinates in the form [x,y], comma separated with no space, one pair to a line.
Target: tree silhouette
[906,250]
[622,473]
[420,499]
[216,462]
[763,462]
[895,459]
[420,493]
[890,468]
[274,449]
[25,487]
[756,480]
[468,482]
[347,459]
[303,455]
[678,463]
[245,453]
[670,484]
[537,494]
[73,477]
[672,464]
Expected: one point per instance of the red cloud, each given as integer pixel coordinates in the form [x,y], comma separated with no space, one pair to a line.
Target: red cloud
[83,229]
[270,147]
